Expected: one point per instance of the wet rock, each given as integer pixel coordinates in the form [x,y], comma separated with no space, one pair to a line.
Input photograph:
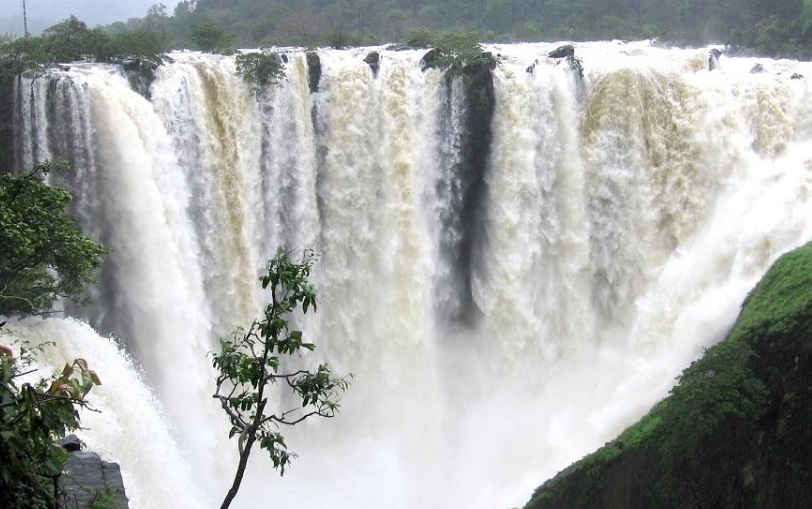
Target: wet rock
[71,443]
[713,58]
[373,61]
[568,50]
[88,482]
[313,71]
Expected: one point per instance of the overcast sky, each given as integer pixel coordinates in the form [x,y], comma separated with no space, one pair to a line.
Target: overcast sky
[44,13]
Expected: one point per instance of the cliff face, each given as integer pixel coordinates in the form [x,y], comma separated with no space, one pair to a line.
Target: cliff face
[736,432]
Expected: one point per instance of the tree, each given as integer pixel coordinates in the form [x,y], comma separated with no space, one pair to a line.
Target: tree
[252,361]
[260,69]
[210,38]
[454,51]
[23,54]
[67,41]
[138,45]
[43,254]
[32,417]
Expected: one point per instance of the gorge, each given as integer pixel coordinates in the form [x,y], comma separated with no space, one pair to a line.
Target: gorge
[501,320]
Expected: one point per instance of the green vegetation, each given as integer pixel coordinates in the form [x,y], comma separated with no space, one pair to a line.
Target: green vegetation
[71,40]
[781,299]
[105,499]
[24,54]
[453,51]
[780,27]
[43,254]
[210,38]
[260,68]
[252,361]
[32,416]
[739,388]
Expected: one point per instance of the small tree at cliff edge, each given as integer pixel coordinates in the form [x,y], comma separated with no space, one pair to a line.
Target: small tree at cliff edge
[43,254]
[249,364]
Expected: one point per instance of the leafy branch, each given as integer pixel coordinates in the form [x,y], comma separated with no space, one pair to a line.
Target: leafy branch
[32,416]
[250,362]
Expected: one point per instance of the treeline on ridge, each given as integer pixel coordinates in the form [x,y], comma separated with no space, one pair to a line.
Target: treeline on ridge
[772,28]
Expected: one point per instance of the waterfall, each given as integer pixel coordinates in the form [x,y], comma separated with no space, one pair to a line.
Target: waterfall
[622,218]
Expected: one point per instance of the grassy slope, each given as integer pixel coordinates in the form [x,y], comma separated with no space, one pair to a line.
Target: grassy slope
[737,429]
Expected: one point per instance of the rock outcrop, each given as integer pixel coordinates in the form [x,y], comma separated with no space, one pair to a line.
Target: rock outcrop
[88,482]
[373,60]
[713,58]
[736,432]
[567,50]
[313,71]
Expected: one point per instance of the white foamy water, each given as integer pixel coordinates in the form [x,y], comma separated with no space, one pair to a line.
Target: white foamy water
[621,222]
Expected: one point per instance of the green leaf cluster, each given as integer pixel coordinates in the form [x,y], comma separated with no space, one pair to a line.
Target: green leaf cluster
[252,361]
[32,417]
[209,37]
[105,498]
[43,254]
[22,55]
[260,68]
[455,51]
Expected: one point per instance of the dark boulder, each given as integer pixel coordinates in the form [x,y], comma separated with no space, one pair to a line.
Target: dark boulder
[373,61]
[71,443]
[713,58]
[568,50]
[757,69]
[87,481]
[430,58]
[313,71]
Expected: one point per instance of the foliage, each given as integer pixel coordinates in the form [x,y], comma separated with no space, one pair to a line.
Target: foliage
[420,37]
[771,27]
[210,38]
[139,45]
[43,255]
[454,51]
[740,380]
[780,28]
[252,361]
[262,69]
[105,498]
[576,66]
[71,40]
[32,416]
[68,41]
[24,54]
[780,298]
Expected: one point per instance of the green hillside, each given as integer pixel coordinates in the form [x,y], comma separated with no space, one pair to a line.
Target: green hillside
[737,429]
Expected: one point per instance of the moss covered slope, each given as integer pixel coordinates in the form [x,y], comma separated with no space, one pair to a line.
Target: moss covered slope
[737,429]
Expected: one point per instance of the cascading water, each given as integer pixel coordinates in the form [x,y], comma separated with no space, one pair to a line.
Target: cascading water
[622,220]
